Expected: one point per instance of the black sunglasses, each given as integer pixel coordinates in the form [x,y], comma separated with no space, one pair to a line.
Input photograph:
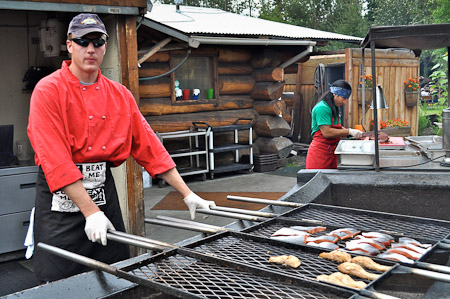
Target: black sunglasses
[84,41]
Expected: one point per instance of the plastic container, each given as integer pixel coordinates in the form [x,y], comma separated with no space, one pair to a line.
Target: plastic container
[356,152]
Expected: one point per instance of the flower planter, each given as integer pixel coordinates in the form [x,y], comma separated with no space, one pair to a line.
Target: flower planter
[397,131]
[369,96]
[411,98]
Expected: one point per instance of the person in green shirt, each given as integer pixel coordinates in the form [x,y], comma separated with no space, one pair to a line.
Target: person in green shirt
[326,128]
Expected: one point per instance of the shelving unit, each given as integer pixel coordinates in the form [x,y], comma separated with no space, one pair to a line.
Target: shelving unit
[194,151]
[235,147]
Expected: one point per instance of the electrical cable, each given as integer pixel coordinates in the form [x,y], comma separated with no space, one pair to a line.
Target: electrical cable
[168,72]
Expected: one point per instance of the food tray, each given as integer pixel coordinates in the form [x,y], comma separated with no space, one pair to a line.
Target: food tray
[356,152]
[393,143]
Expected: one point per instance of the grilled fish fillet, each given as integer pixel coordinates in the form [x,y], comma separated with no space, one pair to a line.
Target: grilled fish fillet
[342,279]
[396,257]
[336,255]
[325,245]
[368,263]
[406,240]
[409,246]
[325,238]
[356,270]
[406,252]
[361,247]
[287,260]
[370,241]
[310,229]
[344,233]
[378,235]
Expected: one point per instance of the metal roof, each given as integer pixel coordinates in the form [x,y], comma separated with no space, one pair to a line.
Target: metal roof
[216,22]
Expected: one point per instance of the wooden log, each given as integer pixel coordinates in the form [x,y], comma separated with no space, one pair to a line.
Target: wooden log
[239,84]
[281,146]
[234,68]
[265,59]
[287,115]
[267,90]
[159,57]
[268,74]
[158,88]
[275,107]
[164,106]
[234,55]
[271,126]
[153,69]
[179,122]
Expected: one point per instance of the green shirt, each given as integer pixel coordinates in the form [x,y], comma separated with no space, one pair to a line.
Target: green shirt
[321,115]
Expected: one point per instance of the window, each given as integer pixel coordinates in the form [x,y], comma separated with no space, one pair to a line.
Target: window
[197,73]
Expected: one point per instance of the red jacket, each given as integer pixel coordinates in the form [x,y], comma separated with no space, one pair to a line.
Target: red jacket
[72,123]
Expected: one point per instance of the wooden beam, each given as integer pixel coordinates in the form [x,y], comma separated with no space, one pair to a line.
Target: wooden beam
[130,78]
[154,49]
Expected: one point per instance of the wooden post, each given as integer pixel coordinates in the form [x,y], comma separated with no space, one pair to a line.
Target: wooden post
[130,78]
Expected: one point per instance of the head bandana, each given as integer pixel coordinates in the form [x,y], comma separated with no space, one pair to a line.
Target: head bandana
[345,93]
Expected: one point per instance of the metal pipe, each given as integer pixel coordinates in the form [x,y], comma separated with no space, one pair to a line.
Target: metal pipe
[247,212]
[375,107]
[421,272]
[181,225]
[231,215]
[444,245]
[375,295]
[432,267]
[139,238]
[133,242]
[265,201]
[297,57]
[219,228]
[194,41]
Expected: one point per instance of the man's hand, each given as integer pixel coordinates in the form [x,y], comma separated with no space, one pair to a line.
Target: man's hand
[193,202]
[355,133]
[96,227]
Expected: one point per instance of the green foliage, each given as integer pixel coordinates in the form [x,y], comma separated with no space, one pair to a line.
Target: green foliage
[423,120]
[440,81]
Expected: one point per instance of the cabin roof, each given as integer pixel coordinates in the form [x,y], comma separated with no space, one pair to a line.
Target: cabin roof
[214,22]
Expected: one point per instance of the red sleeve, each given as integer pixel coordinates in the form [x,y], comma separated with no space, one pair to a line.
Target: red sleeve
[47,135]
[146,147]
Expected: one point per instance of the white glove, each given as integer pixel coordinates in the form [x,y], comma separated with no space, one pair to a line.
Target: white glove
[355,133]
[96,227]
[193,202]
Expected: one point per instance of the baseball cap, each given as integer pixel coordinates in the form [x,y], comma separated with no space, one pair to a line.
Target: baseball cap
[85,23]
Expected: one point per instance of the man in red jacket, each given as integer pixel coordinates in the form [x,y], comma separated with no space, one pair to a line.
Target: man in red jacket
[81,124]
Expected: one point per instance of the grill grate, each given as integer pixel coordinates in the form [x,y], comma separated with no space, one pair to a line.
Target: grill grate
[257,253]
[372,221]
[211,280]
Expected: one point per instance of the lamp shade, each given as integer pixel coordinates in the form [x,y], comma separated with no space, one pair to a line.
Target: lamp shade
[380,98]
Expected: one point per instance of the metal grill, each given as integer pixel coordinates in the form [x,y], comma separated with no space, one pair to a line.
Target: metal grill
[211,280]
[373,221]
[250,250]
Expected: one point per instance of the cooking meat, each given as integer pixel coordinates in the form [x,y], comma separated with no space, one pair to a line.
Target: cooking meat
[406,240]
[325,238]
[325,245]
[409,246]
[406,252]
[287,260]
[362,247]
[369,241]
[378,235]
[309,229]
[342,279]
[290,235]
[344,233]
[336,255]
[356,270]
[368,263]
[396,257]
[384,241]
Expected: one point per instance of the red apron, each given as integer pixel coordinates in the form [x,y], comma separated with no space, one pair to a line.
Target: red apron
[321,150]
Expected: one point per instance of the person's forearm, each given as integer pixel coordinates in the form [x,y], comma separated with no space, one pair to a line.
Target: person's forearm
[174,179]
[334,133]
[78,194]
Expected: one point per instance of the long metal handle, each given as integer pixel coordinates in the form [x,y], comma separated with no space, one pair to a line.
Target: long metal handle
[432,267]
[265,201]
[421,272]
[137,240]
[376,295]
[181,225]
[231,215]
[194,223]
[442,245]
[247,212]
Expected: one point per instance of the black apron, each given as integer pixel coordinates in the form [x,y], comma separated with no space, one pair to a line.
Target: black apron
[66,230]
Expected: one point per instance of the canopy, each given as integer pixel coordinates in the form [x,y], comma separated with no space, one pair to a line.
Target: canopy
[414,37]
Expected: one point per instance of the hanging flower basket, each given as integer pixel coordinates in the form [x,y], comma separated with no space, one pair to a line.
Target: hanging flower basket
[369,96]
[411,98]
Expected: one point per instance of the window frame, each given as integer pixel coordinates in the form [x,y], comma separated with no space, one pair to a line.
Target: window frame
[209,54]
